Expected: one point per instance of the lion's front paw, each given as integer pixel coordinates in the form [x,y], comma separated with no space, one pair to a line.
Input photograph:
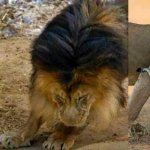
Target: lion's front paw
[10,142]
[7,142]
[58,142]
[55,145]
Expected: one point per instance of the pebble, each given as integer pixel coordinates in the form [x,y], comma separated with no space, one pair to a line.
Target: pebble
[27,19]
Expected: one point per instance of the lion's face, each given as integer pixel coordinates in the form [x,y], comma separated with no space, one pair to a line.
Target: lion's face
[74,107]
[73,100]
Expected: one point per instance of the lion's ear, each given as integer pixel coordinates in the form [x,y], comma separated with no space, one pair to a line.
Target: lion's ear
[113,16]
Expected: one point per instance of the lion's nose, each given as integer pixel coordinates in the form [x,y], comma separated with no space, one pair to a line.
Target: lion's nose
[71,115]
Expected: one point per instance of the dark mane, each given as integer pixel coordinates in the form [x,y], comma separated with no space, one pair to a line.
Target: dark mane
[71,42]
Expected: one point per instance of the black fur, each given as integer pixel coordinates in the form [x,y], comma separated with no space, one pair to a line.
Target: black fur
[69,43]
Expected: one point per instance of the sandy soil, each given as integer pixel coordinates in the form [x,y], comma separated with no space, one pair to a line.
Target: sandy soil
[141,142]
[15,70]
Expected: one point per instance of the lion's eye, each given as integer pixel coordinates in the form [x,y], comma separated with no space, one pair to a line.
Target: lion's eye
[60,100]
[82,101]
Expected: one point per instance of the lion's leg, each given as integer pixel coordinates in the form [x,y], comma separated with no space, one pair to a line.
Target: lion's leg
[23,137]
[63,138]
[35,120]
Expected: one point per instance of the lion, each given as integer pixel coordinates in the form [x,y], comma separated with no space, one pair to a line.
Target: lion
[79,63]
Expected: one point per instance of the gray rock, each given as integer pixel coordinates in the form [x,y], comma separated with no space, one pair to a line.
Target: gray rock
[7,32]
[28,18]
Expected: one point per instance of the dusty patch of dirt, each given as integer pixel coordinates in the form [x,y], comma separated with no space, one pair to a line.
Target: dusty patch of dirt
[141,138]
[14,82]
[15,70]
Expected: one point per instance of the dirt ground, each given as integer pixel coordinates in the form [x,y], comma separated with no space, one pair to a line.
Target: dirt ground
[141,141]
[15,70]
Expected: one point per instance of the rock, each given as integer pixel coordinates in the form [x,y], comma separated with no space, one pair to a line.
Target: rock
[27,18]
[7,32]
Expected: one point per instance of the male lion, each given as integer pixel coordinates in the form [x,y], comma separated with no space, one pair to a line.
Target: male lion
[79,63]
